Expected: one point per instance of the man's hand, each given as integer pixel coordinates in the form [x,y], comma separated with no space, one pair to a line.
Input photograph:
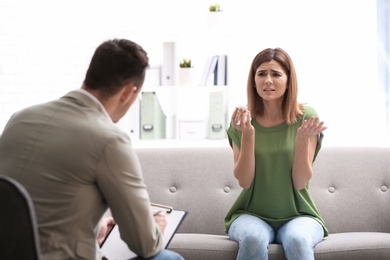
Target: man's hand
[105,226]
[161,220]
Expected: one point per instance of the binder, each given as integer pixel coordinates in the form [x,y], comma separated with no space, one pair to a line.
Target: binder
[220,77]
[152,117]
[217,119]
[168,77]
[113,247]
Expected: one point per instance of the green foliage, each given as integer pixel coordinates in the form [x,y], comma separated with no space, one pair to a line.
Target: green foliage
[185,63]
[215,8]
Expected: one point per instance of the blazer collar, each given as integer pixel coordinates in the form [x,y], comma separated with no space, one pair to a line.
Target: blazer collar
[83,98]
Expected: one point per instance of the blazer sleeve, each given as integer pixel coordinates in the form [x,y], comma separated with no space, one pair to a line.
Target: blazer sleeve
[122,185]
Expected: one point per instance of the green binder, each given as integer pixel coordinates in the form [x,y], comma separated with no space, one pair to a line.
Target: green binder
[152,117]
[217,120]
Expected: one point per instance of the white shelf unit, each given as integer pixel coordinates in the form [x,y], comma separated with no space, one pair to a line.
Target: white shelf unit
[187,110]
[187,107]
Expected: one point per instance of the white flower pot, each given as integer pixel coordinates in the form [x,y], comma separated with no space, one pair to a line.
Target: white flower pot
[186,76]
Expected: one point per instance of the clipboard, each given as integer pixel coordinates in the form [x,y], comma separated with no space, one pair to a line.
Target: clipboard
[113,247]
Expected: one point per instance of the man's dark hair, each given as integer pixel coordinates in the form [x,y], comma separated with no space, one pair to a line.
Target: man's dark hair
[115,64]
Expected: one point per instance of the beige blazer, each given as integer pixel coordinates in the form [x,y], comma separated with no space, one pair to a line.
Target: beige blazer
[76,163]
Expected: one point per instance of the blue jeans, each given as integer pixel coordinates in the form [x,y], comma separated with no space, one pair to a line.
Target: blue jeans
[163,255]
[253,235]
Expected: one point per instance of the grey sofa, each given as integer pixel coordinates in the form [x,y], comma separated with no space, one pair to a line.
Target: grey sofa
[351,187]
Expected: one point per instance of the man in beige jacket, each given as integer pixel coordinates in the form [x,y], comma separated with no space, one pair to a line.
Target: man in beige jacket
[76,163]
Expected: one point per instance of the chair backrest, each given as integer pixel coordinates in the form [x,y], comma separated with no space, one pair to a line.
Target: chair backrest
[18,226]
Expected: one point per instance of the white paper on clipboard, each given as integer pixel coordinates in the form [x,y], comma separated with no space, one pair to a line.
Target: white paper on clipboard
[113,247]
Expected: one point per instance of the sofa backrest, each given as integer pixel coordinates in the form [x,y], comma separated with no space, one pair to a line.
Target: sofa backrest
[199,180]
[351,186]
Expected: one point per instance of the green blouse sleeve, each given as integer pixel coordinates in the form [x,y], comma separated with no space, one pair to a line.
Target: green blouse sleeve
[234,136]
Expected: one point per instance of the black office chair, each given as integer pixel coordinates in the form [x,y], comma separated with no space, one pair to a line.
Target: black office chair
[18,226]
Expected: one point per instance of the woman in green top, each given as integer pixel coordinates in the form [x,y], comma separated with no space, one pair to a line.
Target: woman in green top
[275,142]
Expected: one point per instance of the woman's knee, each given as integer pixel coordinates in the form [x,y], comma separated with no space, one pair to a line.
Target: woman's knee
[297,240]
[251,230]
[300,236]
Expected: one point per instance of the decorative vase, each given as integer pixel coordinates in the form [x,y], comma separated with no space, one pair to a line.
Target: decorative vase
[185,76]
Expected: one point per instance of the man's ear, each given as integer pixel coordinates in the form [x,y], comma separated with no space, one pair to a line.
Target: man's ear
[128,91]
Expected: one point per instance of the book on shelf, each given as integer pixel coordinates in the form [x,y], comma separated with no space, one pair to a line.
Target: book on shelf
[220,76]
[215,72]
[209,70]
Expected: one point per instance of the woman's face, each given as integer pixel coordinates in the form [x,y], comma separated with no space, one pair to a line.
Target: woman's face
[271,81]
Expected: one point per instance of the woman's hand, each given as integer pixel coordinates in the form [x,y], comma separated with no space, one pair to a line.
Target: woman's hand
[310,127]
[241,120]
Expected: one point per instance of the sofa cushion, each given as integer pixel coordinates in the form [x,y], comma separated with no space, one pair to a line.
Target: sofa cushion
[341,246]
[203,246]
[354,245]
[213,247]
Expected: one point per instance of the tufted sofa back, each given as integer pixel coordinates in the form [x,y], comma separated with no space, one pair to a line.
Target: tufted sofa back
[199,180]
[351,186]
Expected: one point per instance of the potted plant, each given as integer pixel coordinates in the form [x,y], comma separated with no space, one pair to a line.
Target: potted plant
[215,8]
[185,73]
[213,17]
[185,63]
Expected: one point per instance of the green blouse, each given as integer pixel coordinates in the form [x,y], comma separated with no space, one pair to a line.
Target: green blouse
[272,196]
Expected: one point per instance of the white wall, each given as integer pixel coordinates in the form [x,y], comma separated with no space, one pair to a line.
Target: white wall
[45,48]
